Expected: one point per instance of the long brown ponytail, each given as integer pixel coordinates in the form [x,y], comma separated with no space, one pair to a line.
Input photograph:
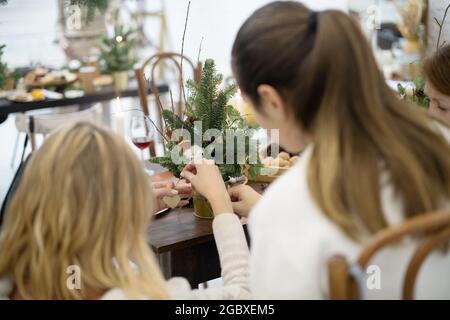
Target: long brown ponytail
[323,67]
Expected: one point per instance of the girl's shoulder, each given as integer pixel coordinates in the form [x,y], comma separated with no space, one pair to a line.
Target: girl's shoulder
[287,196]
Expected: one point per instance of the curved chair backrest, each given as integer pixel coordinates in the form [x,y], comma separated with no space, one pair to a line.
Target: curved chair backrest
[45,123]
[434,227]
[153,62]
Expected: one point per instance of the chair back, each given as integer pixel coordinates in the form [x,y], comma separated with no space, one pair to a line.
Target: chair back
[45,123]
[153,62]
[434,227]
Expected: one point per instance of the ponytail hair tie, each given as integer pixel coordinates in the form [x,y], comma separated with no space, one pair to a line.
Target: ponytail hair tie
[312,21]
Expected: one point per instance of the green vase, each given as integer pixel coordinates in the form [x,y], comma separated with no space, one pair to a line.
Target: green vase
[120,80]
[202,208]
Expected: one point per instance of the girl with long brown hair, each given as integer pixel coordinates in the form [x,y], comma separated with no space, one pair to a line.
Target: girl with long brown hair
[436,69]
[372,160]
[77,227]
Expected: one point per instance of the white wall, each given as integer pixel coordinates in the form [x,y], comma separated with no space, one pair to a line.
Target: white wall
[218,22]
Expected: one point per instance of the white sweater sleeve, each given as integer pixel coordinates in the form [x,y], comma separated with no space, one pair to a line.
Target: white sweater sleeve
[234,260]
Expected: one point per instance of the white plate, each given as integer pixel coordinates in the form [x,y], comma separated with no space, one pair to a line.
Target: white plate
[71,94]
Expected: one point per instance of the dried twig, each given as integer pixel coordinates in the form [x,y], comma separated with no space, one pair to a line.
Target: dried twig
[171,101]
[199,51]
[182,53]
[173,107]
[157,129]
[441,26]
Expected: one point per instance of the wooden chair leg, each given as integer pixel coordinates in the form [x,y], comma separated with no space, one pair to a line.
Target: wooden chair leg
[32,136]
[339,280]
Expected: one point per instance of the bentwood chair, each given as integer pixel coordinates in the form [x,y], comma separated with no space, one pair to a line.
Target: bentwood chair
[152,63]
[46,123]
[345,284]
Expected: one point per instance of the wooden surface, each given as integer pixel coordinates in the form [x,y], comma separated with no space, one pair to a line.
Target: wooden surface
[7,107]
[185,246]
[179,229]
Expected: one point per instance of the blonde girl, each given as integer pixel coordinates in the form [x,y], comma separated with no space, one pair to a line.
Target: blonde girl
[83,208]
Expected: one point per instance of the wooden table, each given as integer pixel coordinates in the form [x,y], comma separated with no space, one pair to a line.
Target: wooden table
[185,246]
[7,107]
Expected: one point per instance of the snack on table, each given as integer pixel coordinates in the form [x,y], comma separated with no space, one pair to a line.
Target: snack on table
[275,163]
[37,94]
[41,77]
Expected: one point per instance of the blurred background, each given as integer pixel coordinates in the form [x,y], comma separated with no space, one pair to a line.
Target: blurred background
[46,36]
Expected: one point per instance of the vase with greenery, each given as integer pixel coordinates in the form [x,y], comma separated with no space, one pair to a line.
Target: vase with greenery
[207,104]
[117,55]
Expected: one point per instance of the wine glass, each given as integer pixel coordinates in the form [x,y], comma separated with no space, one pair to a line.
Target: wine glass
[141,134]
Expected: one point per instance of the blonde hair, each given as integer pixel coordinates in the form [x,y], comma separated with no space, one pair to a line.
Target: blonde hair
[323,66]
[83,200]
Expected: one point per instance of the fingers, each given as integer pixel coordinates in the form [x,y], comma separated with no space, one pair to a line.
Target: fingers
[182,203]
[188,175]
[238,207]
[236,191]
[190,167]
[158,184]
[162,192]
[184,189]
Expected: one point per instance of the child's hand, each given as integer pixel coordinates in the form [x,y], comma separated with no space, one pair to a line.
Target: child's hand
[165,188]
[205,177]
[243,199]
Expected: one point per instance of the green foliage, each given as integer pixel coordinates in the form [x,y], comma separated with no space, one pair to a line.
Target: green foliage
[207,102]
[3,68]
[167,163]
[418,96]
[117,51]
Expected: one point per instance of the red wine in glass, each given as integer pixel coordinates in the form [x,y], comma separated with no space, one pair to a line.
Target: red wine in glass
[141,142]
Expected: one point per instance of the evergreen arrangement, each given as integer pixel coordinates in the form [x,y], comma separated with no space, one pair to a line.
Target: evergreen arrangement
[208,102]
[117,50]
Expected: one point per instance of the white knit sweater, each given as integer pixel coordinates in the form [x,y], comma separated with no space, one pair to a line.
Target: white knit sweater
[292,240]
